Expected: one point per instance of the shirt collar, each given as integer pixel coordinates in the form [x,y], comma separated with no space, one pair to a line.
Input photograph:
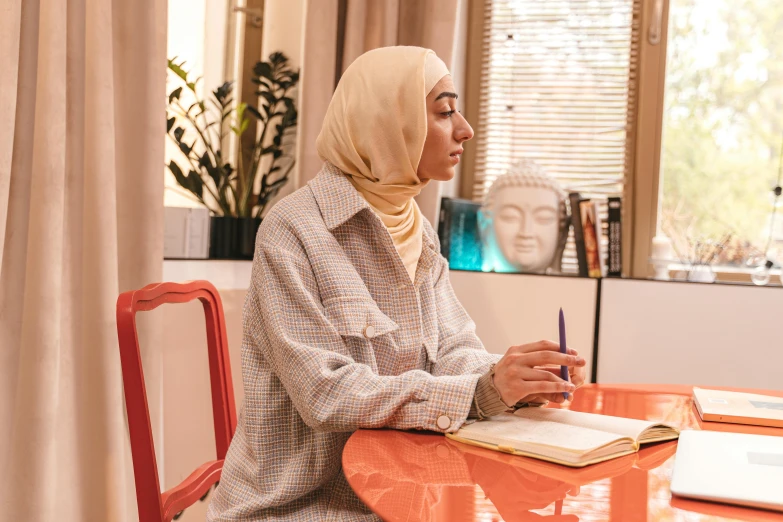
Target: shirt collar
[339,201]
[336,197]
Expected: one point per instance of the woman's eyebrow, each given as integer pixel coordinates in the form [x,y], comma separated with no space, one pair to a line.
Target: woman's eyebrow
[447,94]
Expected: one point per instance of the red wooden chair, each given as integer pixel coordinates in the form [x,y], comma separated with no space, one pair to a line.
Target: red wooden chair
[153,505]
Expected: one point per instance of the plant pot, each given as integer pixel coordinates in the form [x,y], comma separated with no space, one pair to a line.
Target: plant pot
[232,237]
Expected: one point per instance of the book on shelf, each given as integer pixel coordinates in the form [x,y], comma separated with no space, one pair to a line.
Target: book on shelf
[576,222]
[591,231]
[458,232]
[571,438]
[186,233]
[614,260]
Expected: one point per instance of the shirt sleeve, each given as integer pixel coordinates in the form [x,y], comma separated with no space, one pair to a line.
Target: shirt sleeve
[459,349]
[487,401]
[329,389]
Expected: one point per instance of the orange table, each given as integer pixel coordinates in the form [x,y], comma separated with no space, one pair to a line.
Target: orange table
[420,476]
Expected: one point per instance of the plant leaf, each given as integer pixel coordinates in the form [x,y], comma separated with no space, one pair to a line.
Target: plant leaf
[178,175]
[206,163]
[223,93]
[269,97]
[195,184]
[175,94]
[263,69]
[185,148]
[254,112]
[178,70]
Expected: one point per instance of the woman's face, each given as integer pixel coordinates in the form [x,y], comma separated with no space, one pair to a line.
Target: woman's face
[447,130]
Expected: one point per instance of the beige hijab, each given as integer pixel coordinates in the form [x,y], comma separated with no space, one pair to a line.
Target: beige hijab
[374,131]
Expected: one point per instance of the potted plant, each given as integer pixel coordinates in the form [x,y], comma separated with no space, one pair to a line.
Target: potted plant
[238,187]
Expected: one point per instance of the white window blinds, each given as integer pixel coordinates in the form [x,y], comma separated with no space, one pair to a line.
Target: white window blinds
[558,86]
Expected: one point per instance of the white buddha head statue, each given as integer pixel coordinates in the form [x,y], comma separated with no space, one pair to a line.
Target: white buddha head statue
[524,221]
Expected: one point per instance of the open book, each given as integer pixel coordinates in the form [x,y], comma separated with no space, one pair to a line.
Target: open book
[570,438]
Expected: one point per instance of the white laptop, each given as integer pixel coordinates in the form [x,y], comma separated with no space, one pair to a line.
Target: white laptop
[734,468]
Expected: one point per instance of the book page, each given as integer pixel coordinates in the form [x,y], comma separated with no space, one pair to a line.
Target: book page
[532,434]
[632,428]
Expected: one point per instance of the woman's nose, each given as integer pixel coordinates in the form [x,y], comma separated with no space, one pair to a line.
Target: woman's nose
[463,131]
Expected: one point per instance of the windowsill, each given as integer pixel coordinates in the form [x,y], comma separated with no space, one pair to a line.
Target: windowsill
[225,274]
[725,276]
[229,274]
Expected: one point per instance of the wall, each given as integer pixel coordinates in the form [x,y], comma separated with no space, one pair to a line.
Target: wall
[690,333]
[510,309]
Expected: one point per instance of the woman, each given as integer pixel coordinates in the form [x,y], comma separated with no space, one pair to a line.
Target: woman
[350,321]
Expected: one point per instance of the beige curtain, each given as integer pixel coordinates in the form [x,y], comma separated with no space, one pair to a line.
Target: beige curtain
[338,31]
[82,104]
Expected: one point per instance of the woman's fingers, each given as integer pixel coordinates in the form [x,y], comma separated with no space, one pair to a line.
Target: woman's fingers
[578,377]
[540,374]
[539,346]
[545,397]
[536,347]
[544,387]
[542,358]
[521,372]
[575,375]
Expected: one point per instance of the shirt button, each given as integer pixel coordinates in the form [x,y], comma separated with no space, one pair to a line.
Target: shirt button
[443,422]
[369,331]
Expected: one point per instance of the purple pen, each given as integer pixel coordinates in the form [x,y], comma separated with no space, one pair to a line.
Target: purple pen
[563,369]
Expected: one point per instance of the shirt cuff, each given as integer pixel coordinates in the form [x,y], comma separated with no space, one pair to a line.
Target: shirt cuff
[486,401]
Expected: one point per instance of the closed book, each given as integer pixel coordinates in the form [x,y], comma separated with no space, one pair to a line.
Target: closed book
[186,233]
[460,241]
[738,407]
[615,251]
[579,242]
[591,230]
[600,234]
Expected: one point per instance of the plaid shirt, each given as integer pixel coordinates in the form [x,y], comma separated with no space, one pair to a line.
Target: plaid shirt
[337,338]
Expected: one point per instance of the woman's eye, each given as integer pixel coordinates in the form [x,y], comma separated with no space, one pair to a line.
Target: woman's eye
[448,114]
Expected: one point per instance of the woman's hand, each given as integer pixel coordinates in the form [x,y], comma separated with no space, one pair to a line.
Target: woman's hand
[528,373]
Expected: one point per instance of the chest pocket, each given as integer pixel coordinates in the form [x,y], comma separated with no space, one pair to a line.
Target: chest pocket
[367,331]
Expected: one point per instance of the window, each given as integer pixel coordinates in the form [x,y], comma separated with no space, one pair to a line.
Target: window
[685,116]
[723,130]
[557,86]
[198,33]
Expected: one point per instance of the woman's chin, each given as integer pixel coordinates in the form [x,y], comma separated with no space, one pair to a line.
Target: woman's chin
[444,174]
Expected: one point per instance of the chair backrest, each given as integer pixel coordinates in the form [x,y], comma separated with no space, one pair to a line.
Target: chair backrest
[153,505]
